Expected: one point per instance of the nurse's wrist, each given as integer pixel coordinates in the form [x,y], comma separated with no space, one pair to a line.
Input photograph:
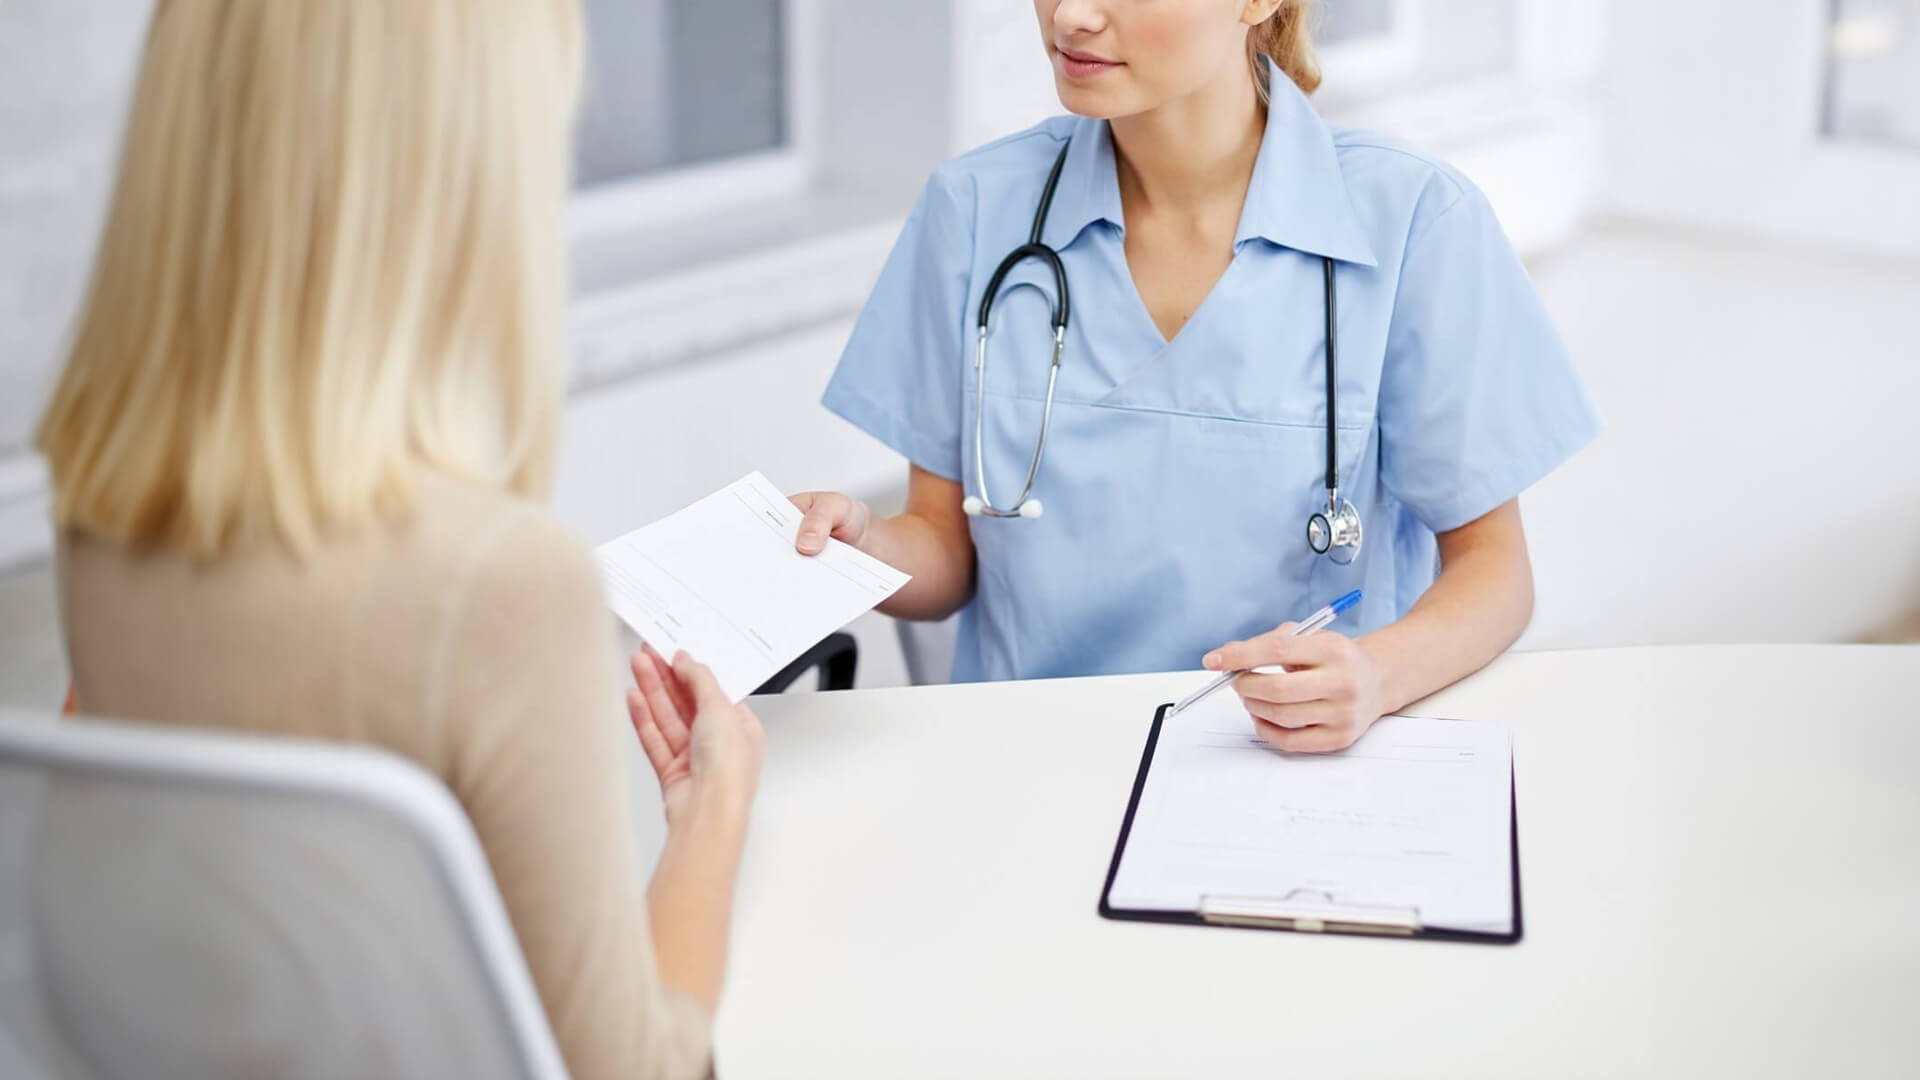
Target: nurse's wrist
[876,538]
[1381,687]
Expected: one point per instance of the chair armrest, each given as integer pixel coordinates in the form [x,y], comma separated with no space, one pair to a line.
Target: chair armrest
[837,656]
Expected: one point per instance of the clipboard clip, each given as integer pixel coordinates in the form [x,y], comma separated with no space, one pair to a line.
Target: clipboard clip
[1311,911]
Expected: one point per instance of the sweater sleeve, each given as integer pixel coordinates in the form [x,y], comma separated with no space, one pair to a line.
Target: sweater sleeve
[533,735]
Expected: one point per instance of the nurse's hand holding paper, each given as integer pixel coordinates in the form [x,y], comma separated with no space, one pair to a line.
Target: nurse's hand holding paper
[831,515]
[931,535]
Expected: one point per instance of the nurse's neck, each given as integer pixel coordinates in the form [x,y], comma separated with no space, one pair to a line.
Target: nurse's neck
[1192,155]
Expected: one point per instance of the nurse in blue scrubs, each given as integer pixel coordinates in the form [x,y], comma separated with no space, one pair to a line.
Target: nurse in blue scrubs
[1200,210]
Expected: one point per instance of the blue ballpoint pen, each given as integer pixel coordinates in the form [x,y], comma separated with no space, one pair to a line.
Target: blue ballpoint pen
[1316,621]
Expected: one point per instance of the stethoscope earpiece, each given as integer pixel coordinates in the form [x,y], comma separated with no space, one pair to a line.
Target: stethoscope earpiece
[973,506]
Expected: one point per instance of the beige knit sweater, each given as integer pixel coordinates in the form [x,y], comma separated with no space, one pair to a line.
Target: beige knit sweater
[472,639]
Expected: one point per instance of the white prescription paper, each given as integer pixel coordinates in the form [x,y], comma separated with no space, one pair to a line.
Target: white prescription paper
[723,581]
[1417,814]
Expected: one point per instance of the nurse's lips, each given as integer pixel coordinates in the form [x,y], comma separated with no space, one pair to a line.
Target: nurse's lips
[1079,65]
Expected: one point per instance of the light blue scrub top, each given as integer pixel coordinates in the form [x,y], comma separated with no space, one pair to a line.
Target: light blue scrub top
[1179,476]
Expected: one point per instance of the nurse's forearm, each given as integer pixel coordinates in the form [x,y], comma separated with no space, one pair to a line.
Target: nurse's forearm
[1476,608]
[942,573]
[931,541]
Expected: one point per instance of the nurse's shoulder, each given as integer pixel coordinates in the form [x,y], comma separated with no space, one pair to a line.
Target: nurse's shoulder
[1010,169]
[1015,155]
[1397,189]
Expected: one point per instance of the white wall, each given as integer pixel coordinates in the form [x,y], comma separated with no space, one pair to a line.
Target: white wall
[65,70]
[1766,366]
[1001,81]
[1712,114]
[643,448]
[1759,478]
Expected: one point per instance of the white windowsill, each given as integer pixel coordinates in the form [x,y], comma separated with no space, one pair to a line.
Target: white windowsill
[1446,116]
[660,295]
[669,294]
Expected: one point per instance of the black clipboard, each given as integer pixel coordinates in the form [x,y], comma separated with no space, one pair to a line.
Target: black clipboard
[1333,919]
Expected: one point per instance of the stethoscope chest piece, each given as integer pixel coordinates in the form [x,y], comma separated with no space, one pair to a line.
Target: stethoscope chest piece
[1335,531]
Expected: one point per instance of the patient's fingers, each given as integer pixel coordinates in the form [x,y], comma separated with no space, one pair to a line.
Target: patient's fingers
[659,755]
[655,682]
[682,697]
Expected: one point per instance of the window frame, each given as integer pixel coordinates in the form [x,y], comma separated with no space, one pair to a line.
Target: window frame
[709,188]
[1374,64]
[1842,39]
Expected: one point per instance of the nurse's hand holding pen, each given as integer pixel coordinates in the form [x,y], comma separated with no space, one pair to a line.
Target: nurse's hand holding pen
[1331,693]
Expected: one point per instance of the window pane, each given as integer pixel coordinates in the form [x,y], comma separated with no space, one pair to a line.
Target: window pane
[672,83]
[1379,47]
[1465,41]
[1873,71]
[1345,20]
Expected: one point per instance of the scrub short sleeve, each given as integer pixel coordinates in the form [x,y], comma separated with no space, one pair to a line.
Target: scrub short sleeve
[1478,397]
[901,376]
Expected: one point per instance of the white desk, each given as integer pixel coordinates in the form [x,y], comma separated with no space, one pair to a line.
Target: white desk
[1720,860]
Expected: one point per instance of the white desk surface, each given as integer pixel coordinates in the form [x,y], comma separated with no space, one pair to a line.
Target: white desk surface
[1720,862]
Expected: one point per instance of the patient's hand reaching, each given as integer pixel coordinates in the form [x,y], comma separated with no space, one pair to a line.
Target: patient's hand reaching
[705,750]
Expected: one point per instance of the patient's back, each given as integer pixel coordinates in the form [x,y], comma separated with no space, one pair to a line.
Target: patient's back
[472,638]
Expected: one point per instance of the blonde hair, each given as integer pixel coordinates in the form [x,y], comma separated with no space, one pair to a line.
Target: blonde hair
[1287,40]
[334,257]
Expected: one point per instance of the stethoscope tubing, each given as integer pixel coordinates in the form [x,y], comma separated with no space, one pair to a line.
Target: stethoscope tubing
[1340,520]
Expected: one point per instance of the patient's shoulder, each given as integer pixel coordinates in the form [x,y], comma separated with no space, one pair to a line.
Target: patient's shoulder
[503,558]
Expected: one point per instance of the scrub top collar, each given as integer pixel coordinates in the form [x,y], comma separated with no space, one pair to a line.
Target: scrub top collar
[1297,198]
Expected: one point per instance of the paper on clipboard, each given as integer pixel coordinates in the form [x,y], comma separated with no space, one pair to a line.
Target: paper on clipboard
[1417,816]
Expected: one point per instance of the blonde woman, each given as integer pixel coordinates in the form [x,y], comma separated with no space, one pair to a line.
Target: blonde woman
[1247,362]
[296,450]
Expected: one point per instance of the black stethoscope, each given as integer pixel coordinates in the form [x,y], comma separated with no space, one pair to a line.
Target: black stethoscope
[1333,531]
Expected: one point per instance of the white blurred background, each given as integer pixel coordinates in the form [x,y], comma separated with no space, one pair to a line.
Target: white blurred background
[1720,200]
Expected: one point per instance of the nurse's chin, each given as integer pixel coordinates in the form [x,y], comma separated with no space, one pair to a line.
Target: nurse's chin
[1095,103]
